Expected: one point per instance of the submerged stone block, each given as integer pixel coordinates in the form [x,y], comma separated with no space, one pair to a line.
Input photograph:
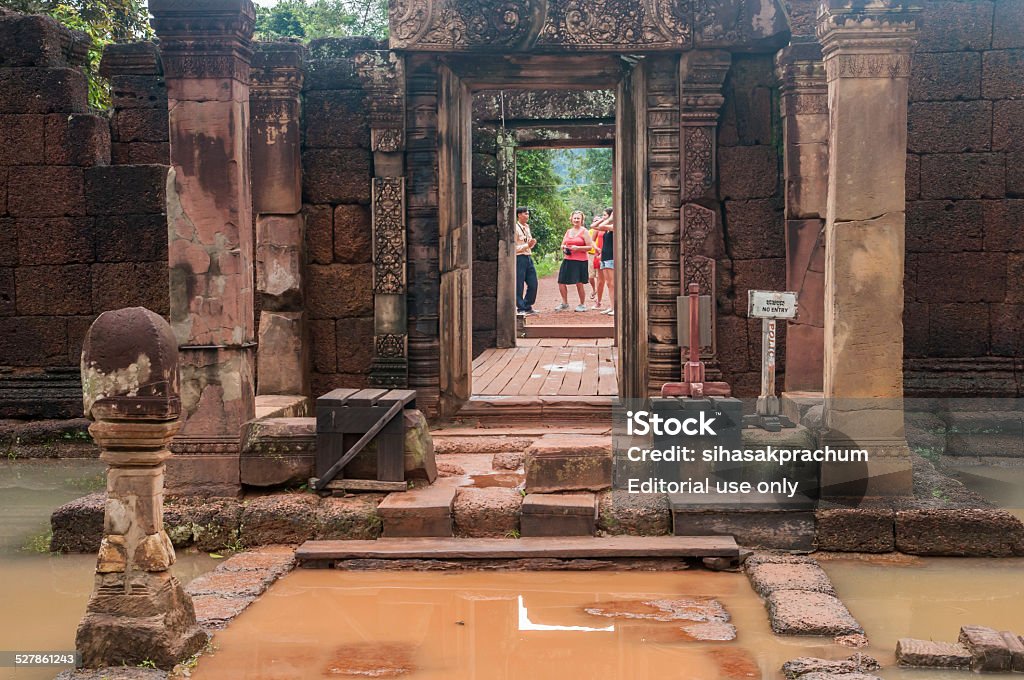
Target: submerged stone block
[989,651]
[932,654]
[799,612]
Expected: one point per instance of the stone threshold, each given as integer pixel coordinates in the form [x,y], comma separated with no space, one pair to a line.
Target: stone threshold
[320,553]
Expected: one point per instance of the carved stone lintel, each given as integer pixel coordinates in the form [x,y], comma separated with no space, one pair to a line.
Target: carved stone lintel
[611,25]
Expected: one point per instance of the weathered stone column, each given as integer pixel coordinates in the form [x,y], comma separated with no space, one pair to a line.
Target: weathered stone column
[804,109]
[137,610]
[383,76]
[205,48]
[702,74]
[867,63]
[276,141]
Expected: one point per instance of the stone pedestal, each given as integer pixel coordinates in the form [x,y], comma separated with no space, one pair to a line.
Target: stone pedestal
[205,50]
[804,109]
[138,610]
[867,55]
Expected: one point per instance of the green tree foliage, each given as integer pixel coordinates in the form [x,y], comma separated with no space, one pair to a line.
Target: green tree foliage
[322,19]
[537,188]
[105,21]
[554,182]
[588,185]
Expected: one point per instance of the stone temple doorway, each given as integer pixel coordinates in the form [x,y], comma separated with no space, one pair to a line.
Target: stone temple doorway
[458,77]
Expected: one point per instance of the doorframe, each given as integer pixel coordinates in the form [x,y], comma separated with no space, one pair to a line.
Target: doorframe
[458,77]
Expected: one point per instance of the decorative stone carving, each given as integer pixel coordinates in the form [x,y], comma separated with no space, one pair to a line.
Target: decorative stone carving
[138,609]
[595,25]
[204,40]
[389,235]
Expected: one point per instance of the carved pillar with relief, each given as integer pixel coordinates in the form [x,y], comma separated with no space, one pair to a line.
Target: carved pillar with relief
[867,55]
[804,108]
[383,76]
[701,74]
[206,50]
[282,360]
[663,217]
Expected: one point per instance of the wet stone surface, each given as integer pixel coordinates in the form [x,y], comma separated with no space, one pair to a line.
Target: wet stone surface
[798,612]
[700,610]
[804,666]
[768,578]
[371,660]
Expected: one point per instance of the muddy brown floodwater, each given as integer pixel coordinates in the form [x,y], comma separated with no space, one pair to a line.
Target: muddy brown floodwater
[516,625]
[43,596]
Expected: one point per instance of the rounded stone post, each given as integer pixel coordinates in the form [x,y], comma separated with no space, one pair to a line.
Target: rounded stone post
[130,387]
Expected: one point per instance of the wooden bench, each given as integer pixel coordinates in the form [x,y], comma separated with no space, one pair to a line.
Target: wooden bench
[349,419]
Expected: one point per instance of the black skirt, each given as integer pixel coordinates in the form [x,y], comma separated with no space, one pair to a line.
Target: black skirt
[573,271]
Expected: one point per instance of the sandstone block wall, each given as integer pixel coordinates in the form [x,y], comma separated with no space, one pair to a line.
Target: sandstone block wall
[337,167]
[78,236]
[750,189]
[964,283]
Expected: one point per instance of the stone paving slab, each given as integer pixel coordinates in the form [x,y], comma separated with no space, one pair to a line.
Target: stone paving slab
[798,612]
[768,578]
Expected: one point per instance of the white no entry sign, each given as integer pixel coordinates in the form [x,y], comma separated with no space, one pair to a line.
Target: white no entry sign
[766,304]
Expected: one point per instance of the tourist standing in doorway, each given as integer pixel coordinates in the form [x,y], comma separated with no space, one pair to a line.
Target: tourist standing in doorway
[607,227]
[573,271]
[526,273]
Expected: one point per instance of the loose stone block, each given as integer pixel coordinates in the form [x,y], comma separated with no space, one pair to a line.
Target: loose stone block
[805,666]
[769,578]
[77,526]
[798,612]
[424,511]
[932,654]
[278,451]
[559,514]
[856,530]
[557,462]
[491,512]
[989,651]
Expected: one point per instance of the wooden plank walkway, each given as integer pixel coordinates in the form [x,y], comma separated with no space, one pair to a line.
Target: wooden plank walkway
[561,547]
[548,366]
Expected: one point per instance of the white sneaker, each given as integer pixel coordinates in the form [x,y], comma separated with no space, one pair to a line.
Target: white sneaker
[598,308]
[580,308]
[609,312]
[562,307]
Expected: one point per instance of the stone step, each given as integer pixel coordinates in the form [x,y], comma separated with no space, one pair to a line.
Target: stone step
[425,511]
[756,521]
[984,422]
[316,553]
[576,331]
[557,462]
[553,514]
[502,411]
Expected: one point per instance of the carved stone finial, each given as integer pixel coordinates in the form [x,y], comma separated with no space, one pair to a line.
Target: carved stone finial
[138,609]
